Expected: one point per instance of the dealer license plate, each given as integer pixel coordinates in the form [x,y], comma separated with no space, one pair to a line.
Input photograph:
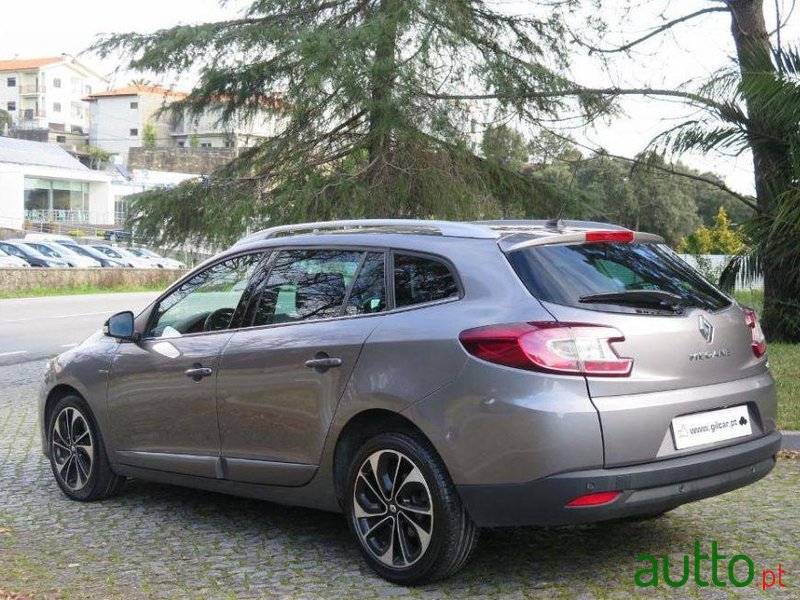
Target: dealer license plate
[712,426]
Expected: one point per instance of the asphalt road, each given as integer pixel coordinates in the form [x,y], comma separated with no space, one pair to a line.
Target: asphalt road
[37,328]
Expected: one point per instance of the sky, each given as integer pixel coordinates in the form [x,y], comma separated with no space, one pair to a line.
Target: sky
[689,52]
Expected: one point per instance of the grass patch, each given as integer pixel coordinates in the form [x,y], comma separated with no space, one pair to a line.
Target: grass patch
[784,360]
[78,290]
[752,298]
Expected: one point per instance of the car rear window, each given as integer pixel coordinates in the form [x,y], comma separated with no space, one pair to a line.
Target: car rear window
[563,274]
[418,280]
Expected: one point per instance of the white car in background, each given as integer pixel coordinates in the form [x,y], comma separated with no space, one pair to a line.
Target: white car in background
[55,250]
[161,261]
[12,262]
[123,255]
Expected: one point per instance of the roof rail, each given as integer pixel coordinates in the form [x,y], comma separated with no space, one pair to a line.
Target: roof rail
[543,223]
[444,228]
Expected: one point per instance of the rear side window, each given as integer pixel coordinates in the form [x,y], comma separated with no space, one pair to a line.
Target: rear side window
[305,285]
[421,279]
[563,274]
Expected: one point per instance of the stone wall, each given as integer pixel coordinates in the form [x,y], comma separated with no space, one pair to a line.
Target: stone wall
[26,279]
[202,161]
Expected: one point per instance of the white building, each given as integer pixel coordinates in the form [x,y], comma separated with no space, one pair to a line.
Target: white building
[45,98]
[43,182]
[207,131]
[120,117]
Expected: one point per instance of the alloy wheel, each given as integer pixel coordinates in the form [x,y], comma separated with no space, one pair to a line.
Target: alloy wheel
[393,509]
[72,448]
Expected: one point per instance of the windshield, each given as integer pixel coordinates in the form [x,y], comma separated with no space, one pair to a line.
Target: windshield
[569,274]
[108,251]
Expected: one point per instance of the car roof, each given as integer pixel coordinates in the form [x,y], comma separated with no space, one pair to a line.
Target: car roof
[507,233]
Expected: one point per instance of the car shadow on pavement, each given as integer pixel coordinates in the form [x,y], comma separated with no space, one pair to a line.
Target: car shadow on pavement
[586,557]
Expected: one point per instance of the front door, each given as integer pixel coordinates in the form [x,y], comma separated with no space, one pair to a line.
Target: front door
[162,389]
[281,379]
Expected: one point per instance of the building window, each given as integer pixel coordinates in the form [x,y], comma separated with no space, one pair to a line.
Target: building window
[56,106]
[134,105]
[56,83]
[66,197]
[88,89]
[134,132]
[61,139]
[230,143]
[12,82]
[205,145]
[181,144]
[11,106]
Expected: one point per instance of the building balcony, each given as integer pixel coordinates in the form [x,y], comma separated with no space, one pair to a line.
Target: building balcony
[31,114]
[31,89]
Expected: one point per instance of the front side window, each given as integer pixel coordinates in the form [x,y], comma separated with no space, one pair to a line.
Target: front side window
[306,285]
[207,301]
[420,279]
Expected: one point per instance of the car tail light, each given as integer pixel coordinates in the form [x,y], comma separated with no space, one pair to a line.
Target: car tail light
[565,348]
[758,341]
[595,499]
[609,236]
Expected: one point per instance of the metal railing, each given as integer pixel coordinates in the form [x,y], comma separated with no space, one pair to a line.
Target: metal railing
[32,88]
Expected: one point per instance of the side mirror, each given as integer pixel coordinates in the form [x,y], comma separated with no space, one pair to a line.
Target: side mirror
[120,326]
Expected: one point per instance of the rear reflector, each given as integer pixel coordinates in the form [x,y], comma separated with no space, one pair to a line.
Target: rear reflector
[609,236]
[758,342]
[596,499]
[563,348]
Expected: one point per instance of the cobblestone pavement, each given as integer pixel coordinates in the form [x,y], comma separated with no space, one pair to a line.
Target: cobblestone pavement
[155,541]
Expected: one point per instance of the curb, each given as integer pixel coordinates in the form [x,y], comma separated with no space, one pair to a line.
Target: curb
[791,440]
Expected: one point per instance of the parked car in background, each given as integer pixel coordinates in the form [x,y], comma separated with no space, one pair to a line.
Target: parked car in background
[12,262]
[161,261]
[48,237]
[32,256]
[55,250]
[117,235]
[105,261]
[426,378]
[123,255]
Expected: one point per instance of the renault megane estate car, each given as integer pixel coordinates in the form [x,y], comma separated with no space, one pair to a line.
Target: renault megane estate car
[427,379]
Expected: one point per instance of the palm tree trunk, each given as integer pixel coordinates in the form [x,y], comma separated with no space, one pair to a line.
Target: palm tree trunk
[771,163]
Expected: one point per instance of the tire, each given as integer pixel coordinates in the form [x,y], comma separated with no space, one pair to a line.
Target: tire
[412,532]
[77,453]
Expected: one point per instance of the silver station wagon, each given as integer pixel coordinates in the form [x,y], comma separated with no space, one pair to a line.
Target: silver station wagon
[427,379]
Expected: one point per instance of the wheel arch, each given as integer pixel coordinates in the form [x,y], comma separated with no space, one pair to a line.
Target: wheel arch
[361,427]
[60,391]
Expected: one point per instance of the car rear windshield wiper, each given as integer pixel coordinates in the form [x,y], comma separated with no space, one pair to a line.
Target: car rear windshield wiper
[643,298]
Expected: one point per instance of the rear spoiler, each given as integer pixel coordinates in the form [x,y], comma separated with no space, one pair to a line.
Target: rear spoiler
[583,237]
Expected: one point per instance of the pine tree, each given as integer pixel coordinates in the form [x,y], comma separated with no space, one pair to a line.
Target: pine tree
[366,94]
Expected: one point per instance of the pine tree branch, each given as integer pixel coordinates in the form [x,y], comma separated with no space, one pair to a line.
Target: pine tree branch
[577,91]
[661,29]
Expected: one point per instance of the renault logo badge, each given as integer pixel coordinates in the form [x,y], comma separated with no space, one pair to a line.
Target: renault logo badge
[706,329]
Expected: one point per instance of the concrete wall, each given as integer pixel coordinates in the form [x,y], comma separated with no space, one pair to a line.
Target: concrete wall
[26,279]
[202,161]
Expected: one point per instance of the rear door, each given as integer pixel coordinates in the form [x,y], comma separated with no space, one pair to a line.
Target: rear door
[281,379]
[690,360]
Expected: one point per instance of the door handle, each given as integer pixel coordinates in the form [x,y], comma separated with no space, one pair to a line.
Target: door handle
[322,362]
[198,371]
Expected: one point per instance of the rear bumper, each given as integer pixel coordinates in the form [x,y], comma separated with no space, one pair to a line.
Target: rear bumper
[647,488]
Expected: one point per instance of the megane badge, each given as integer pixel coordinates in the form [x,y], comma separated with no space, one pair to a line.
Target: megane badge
[706,328]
